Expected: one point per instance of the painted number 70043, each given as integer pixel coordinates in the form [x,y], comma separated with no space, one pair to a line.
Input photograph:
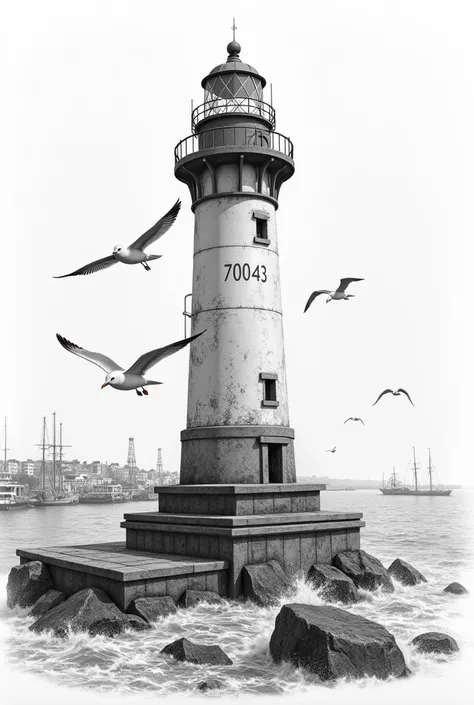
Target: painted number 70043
[244,271]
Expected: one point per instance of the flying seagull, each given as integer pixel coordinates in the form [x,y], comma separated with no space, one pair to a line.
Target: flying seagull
[331,450]
[133,254]
[133,378]
[354,418]
[395,394]
[340,292]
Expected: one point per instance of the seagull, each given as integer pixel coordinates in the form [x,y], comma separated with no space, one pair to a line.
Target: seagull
[133,378]
[354,418]
[331,450]
[133,254]
[395,394]
[340,292]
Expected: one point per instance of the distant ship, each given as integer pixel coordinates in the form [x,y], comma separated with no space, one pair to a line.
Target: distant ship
[104,494]
[51,492]
[395,487]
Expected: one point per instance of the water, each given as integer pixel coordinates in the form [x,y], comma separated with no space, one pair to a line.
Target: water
[432,533]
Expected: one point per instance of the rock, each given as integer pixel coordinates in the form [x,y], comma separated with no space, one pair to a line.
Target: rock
[456,589]
[365,570]
[27,582]
[210,684]
[185,650]
[152,608]
[405,573]
[334,584]
[192,598]
[89,610]
[435,643]
[334,643]
[46,602]
[138,624]
[265,583]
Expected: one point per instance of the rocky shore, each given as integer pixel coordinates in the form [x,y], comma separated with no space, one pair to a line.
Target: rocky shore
[326,640]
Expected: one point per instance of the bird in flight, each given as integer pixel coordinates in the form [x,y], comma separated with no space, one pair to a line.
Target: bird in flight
[340,292]
[134,377]
[354,418]
[395,394]
[331,450]
[134,253]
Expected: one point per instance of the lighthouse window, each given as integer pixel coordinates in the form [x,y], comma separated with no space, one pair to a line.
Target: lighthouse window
[261,227]
[269,389]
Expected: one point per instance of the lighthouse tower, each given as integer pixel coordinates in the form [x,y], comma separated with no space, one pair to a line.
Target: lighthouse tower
[234,163]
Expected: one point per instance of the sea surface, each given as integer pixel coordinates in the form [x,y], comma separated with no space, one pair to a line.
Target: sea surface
[435,534]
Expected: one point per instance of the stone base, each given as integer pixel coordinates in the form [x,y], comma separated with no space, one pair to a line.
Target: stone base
[125,575]
[245,524]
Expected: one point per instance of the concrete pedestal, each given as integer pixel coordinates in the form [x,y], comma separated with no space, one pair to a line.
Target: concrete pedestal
[244,524]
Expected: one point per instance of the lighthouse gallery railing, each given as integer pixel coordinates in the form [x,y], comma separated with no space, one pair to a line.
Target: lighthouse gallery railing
[233,136]
[243,106]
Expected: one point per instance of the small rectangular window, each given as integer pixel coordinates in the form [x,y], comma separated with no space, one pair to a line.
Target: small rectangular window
[261,227]
[269,389]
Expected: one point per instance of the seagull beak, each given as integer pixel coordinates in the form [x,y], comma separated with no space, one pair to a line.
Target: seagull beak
[105,384]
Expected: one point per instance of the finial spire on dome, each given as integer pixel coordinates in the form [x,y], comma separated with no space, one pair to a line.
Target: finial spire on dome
[233,47]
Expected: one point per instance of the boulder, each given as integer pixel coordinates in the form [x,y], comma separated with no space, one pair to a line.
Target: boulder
[210,684]
[334,643]
[192,598]
[265,583]
[435,643]
[333,584]
[138,624]
[185,650]
[27,582]
[89,610]
[365,570]
[152,608]
[405,573]
[46,602]
[456,589]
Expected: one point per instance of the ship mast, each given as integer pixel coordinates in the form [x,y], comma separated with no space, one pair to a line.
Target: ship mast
[43,459]
[430,469]
[415,470]
[54,452]
[5,448]
[60,467]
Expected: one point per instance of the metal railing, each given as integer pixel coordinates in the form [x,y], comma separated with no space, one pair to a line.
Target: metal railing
[221,106]
[233,136]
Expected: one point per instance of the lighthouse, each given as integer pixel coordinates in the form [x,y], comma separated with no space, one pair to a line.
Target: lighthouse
[234,164]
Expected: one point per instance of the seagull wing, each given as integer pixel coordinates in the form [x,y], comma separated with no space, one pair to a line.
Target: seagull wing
[361,421]
[92,267]
[406,394]
[349,419]
[102,361]
[385,391]
[344,283]
[313,296]
[149,359]
[158,229]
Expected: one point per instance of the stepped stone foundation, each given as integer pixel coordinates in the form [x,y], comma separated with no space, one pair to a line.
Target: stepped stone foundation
[201,538]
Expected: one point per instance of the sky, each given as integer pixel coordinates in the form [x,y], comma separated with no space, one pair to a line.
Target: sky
[378,99]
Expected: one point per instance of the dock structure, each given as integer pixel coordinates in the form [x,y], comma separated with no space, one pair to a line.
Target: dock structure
[238,502]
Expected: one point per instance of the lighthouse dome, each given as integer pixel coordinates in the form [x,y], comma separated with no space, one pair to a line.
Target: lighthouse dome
[234,79]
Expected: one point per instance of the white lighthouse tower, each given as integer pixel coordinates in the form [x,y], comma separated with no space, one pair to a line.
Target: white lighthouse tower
[234,163]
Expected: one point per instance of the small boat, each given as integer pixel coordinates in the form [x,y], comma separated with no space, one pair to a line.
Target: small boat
[104,494]
[13,496]
[143,496]
[395,488]
[52,493]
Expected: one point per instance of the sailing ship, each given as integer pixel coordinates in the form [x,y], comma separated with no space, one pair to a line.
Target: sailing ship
[52,493]
[395,487]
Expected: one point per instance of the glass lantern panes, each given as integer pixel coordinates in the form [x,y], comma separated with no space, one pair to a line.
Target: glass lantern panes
[234,93]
